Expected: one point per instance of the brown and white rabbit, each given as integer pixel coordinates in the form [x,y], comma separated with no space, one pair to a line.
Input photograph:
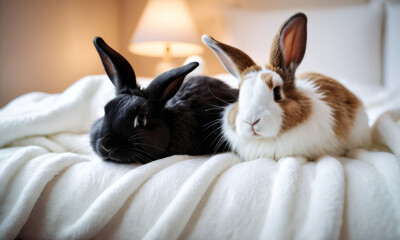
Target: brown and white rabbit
[278,114]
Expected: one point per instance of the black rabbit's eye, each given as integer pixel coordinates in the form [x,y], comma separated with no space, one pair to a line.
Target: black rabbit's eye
[140,120]
[277,94]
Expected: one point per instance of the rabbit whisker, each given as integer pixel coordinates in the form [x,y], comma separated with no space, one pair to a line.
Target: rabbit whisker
[216,140]
[126,157]
[137,157]
[143,158]
[149,145]
[215,130]
[149,154]
[211,124]
[134,136]
[214,108]
[134,140]
[222,140]
[217,97]
[232,95]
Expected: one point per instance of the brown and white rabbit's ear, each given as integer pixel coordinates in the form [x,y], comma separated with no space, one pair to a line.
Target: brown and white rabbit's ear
[289,44]
[117,67]
[234,60]
[165,85]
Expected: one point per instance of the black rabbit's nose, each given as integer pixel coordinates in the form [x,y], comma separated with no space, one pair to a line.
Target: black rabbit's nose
[116,155]
[103,151]
[105,144]
[104,148]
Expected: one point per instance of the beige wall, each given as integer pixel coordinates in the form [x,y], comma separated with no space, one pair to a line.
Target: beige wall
[46,45]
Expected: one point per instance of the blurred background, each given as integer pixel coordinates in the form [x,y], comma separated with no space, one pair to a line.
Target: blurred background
[46,45]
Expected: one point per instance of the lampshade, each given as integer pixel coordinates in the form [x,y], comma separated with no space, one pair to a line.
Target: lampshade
[165,25]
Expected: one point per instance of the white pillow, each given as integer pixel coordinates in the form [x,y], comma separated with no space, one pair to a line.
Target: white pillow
[392,46]
[344,43]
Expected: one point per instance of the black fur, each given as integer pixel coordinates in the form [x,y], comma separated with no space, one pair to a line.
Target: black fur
[168,117]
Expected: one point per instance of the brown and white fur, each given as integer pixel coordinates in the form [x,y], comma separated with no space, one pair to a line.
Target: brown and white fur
[278,114]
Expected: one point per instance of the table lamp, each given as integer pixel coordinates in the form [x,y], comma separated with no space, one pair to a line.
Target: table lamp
[165,30]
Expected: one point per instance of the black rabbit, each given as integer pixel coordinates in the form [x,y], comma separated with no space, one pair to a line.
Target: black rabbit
[170,116]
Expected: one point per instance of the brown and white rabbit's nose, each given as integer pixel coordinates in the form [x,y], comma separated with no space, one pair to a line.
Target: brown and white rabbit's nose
[252,125]
[255,122]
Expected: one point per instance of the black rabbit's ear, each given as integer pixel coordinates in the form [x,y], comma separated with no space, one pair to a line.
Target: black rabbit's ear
[117,67]
[165,85]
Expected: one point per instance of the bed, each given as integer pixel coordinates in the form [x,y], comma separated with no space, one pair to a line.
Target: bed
[52,186]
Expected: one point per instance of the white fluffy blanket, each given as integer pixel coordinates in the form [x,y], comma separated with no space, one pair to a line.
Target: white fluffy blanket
[53,187]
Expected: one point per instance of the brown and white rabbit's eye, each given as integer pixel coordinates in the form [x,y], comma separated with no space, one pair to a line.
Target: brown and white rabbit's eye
[140,121]
[277,94]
